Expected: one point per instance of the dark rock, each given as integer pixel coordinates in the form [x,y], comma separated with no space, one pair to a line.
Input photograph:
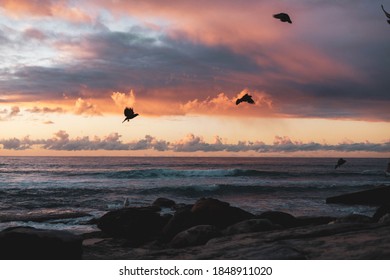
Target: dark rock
[29,243]
[381,211]
[313,221]
[181,220]
[164,202]
[281,218]
[197,235]
[210,211]
[378,196]
[252,225]
[42,217]
[354,218]
[137,225]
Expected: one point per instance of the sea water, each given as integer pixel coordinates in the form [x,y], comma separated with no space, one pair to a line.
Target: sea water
[41,186]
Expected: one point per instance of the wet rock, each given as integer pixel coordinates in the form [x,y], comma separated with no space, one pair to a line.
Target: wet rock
[354,218]
[378,196]
[212,211]
[251,225]
[181,220]
[164,202]
[137,225]
[197,235]
[29,243]
[281,218]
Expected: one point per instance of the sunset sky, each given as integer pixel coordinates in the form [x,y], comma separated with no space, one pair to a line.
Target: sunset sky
[69,68]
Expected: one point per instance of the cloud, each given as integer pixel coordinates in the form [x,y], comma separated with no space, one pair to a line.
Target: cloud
[45,110]
[9,113]
[123,100]
[222,104]
[45,8]
[192,52]
[83,107]
[61,141]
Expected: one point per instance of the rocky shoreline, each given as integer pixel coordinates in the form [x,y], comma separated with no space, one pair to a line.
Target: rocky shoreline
[211,229]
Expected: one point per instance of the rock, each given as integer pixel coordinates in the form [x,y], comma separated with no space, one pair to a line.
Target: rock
[42,217]
[181,220]
[354,218]
[252,225]
[312,221]
[281,218]
[381,211]
[164,202]
[197,235]
[137,225]
[378,196]
[210,211]
[27,243]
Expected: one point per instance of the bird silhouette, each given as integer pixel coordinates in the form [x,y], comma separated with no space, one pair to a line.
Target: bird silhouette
[129,113]
[283,17]
[387,14]
[340,162]
[245,98]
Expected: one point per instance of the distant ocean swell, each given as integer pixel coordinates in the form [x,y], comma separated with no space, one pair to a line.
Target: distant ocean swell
[201,173]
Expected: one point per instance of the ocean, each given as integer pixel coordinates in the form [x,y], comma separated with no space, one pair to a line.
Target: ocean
[34,188]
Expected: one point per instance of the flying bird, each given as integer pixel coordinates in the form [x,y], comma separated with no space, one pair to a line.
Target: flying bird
[340,162]
[283,17]
[387,14]
[245,98]
[129,113]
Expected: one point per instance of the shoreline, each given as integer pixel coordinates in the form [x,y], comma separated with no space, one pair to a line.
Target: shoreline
[212,229]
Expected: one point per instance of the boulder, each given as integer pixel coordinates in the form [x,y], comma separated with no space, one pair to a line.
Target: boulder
[252,225]
[136,224]
[181,220]
[378,196]
[197,235]
[281,218]
[210,211]
[164,202]
[28,243]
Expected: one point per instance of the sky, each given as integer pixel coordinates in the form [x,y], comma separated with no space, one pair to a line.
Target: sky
[68,69]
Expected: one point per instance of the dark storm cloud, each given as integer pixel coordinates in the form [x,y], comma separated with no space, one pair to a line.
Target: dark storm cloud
[119,60]
[332,62]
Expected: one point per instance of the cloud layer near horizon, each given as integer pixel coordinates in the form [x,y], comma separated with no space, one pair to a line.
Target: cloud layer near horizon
[332,62]
[191,143]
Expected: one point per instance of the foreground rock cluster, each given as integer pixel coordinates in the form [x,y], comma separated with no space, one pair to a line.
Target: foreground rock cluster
[208,229]
[213,229]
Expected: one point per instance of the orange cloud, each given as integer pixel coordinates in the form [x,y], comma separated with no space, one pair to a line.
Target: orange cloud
[123,100]
[83,107]
[44,8]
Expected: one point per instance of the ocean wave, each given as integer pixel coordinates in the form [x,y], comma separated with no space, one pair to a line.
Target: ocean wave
[175,173]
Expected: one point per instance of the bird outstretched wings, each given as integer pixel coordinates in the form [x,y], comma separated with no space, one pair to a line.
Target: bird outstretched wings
[245,98]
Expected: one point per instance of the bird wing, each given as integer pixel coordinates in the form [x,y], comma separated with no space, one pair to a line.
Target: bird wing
[386,13]
[128,112]
[277,16]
